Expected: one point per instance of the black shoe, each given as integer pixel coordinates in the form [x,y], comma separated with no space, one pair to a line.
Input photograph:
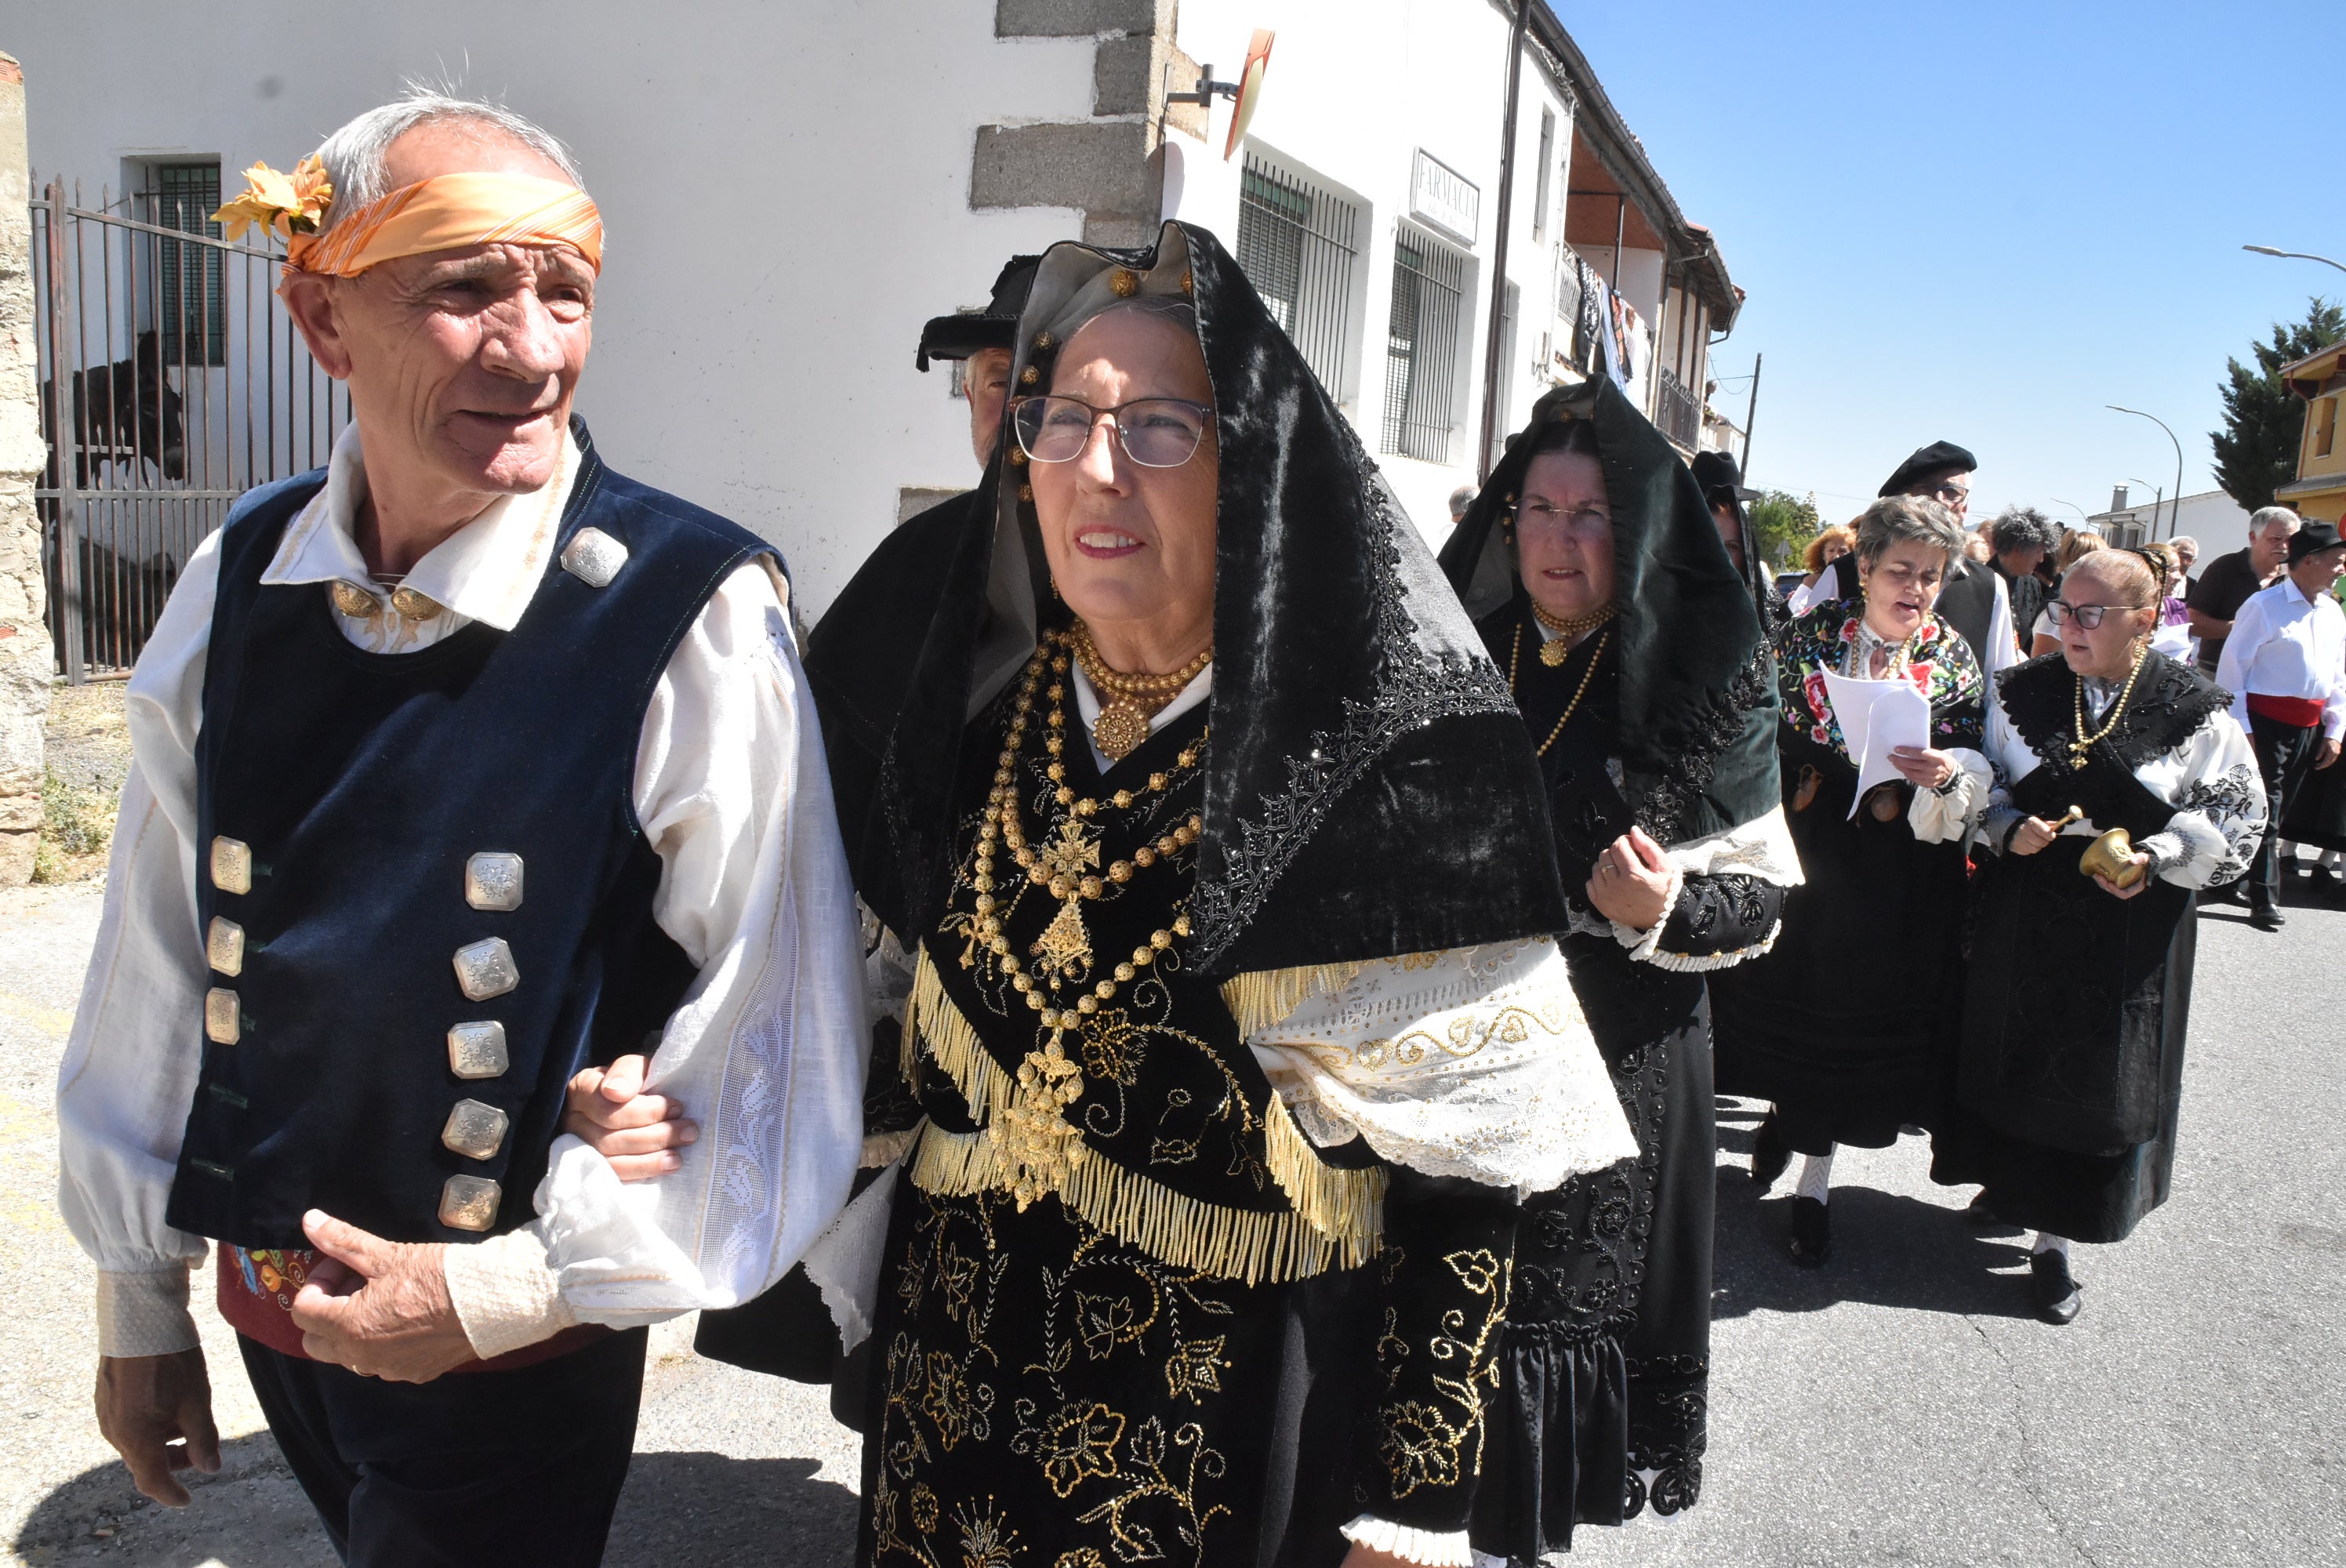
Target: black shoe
[2326,880]
[2235,893]
[1770,1155]
[2267,919]
[2057,1298]
[1811,1238]
[1981,1212]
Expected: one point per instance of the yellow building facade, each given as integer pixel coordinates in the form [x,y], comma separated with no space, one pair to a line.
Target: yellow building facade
[2320,488]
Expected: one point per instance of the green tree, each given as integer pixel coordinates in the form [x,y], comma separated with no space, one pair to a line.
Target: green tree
[1784,524]
[2256,451]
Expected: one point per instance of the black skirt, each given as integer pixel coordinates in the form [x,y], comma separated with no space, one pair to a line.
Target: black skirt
[2316,811]
[2071,1068]
[1848,1024]
[1605,1375]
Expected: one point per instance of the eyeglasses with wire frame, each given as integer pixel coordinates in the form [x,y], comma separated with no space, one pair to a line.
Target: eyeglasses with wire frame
[1155,431]
[2087,615]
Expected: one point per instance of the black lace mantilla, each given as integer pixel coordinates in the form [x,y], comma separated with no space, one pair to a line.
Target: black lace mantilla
[1666,805]
[1415,688]
[2170,703]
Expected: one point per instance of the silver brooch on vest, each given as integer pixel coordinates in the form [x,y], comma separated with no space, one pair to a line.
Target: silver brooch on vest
[593,557]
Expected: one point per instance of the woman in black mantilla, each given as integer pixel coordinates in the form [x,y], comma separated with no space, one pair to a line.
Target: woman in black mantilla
[1848,1026]
[2080,981]
[1633,651]
[1217,1123]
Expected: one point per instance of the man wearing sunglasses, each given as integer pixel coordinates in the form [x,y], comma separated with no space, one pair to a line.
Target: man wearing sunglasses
[2282,664]
[1973,600]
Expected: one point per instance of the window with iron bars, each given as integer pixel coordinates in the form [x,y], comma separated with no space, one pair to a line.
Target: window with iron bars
[1422,343]
[191,280]
[1296,247]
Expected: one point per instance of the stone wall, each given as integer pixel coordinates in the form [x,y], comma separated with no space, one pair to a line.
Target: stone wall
[1109,168]
[26,659]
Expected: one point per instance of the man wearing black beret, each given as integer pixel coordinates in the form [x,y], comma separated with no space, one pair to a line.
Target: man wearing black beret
[1972,599]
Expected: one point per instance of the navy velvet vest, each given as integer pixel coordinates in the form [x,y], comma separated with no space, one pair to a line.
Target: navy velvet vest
[363,784]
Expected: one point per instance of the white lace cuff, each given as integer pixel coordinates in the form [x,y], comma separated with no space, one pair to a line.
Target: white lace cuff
[1642,944]
[1945,815]
[1435,1548]
[145,1314]
[506,1293]
[1474,1063]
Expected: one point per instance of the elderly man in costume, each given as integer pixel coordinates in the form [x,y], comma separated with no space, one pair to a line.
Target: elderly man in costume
[458,766]
[1973,600]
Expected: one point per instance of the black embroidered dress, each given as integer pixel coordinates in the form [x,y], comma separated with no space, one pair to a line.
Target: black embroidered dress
[2071,1068]
[1607,1370]
[1848,1024]
[1152,1287]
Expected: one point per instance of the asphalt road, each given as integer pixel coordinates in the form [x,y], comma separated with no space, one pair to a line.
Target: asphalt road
[1898,1406]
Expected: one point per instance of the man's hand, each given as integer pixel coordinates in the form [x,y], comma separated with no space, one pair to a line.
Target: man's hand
[2032,834]
[379,1307]
[640,1134]
[2328,755]
[157,1412]
[1632,881]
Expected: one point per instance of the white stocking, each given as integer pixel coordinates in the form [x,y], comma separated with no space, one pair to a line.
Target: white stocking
[1816,1176]
[2048,1242]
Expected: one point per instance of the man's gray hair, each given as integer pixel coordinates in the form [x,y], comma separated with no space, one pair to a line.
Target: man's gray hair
[1894,518]
[354,156]
[2264,517]
[2019,527]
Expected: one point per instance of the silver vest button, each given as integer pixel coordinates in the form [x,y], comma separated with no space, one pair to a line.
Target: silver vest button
[493,881]
[474,1130]
[224,946]
[477,1050]
[222,1023]
[469,1203]
[231,865]
[485,969]
[593,557]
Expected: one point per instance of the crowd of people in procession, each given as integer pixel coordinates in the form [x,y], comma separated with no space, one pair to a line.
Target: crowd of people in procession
[1199,1018]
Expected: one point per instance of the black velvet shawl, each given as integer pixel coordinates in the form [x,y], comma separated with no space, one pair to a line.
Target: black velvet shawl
[1369,789]
[1698,690]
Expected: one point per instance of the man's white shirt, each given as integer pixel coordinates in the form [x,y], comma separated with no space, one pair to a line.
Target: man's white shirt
[766,1053]
[2283,644]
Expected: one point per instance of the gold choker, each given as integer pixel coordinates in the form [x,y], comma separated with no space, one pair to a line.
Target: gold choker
[1553,652]
[1127,702]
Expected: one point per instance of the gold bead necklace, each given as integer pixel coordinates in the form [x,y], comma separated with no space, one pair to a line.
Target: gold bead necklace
[1552,653]
[1516,654]
[1063,867]
[1127,702]
[2085,743]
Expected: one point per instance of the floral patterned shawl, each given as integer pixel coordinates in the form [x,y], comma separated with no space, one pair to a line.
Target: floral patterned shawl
[1943,669]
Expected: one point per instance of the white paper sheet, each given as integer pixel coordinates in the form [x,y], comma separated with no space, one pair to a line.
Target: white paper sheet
[1874,716]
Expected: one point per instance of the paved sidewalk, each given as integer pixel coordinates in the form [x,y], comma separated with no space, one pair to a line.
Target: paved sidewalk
[1898,1406]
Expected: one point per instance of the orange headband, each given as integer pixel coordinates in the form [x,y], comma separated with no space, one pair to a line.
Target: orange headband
[453,212]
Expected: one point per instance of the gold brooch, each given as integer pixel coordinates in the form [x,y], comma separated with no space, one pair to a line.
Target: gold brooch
[1124,283]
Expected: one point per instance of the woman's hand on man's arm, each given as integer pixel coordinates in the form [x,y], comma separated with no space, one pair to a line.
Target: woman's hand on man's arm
[640,1134]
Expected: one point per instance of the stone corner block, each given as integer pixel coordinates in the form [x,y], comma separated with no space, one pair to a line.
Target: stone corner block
[1100,169]
[1080,18]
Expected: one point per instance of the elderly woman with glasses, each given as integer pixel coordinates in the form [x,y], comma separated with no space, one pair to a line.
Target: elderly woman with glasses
[2121,785]
[1847,1026]
[1233,1026]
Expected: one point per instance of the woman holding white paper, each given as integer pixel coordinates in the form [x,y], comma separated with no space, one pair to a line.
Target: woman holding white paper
[1848,1024]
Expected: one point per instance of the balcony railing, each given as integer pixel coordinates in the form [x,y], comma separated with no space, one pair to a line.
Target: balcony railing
[1677,412]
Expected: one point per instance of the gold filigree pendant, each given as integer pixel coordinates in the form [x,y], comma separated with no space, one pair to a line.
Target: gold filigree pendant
[1120,731]
[1553,652]
[1064,941]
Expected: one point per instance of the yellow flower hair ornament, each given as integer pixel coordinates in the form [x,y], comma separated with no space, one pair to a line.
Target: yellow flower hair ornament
[283,204]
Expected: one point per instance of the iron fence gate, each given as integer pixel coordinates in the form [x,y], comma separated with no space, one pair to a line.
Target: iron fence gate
[1296,247]
[1422,344]
[170,384]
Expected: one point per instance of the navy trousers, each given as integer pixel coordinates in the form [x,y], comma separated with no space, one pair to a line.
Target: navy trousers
[471,1470]
[2285,756]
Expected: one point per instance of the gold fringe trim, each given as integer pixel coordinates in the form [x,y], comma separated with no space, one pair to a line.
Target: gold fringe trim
[1347,1207]
[930,1019]
[1229,1243]
[1261,998]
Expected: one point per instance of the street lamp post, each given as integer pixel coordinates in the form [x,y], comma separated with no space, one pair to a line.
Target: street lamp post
[2158,493]
[2178,460]
[2295,256]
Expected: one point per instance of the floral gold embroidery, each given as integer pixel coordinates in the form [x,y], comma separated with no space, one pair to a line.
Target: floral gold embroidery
[1077,1442]
[1195,1365]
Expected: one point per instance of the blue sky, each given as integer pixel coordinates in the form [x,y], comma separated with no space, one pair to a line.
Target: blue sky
[1983,222]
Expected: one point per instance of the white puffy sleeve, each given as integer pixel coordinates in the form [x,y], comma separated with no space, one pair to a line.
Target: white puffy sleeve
[131,1064]
[2219,807]
[766,1051]
[1948,814]
[1474,1063]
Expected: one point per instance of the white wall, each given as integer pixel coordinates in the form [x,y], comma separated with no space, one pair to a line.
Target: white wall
[785,189]
[1352,92]
[2218,521]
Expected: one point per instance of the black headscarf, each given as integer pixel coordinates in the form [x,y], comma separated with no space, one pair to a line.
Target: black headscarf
[1698,742]
[1369,789]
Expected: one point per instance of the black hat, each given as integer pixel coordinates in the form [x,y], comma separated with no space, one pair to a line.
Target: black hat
[1939,457]
[966,333]
[1721,485]
[2311,540]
